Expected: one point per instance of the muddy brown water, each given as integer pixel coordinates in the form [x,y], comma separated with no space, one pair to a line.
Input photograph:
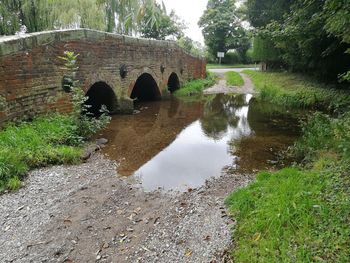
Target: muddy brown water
[176,145]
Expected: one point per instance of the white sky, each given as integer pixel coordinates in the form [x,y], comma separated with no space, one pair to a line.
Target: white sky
[190,11]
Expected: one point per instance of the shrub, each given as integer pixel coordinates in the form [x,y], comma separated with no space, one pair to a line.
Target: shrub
[195,87]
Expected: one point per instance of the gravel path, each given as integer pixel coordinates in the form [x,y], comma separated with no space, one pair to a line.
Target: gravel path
[221,86]
[86,213]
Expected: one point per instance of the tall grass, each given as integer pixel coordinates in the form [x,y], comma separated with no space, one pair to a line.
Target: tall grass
[196,87]
[46,140]
[296,91]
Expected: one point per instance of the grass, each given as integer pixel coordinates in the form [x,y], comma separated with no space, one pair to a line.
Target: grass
[292,216]
[196,87]
[296,91]
[44,141]
[214,66]
[301,213]
[234,79]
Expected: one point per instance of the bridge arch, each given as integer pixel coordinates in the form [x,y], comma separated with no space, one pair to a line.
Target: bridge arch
[145,88]
[100,93]
[173,82]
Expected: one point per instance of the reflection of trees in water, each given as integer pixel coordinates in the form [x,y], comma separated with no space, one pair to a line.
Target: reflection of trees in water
[220,113]
[265,117]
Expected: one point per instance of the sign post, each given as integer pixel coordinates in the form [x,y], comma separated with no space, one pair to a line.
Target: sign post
[220,56]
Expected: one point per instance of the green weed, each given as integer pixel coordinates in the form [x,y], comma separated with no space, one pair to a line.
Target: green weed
[292,216]
[195,87]
[44,141]
[234,79]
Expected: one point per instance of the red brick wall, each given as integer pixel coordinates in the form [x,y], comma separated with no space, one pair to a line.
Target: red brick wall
[31,72]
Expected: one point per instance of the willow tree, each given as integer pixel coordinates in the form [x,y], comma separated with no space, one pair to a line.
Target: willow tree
[9,23]
[75,14]
[126,16]
[39,15]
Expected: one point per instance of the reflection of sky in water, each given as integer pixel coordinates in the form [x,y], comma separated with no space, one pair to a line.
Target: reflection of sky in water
[194,157]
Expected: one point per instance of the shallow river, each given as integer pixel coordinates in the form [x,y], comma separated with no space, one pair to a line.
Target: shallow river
[177,145]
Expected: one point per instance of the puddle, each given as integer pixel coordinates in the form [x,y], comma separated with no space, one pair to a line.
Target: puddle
[177,145]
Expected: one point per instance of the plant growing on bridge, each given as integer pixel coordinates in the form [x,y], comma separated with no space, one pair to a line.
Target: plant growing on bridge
[86,123]
[2,103]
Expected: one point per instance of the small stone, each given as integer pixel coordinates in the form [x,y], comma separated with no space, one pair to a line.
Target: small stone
[101,141]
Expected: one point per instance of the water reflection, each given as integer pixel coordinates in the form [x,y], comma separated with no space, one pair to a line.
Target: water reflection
[177,145]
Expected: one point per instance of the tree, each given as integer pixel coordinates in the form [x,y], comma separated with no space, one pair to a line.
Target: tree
[157,24]
[262,12]
[39,15]
[337,15]
[308,36]
[9,23]
[222,28]
[193,47]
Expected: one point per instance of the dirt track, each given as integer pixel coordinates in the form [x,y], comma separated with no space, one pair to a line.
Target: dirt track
[86,213]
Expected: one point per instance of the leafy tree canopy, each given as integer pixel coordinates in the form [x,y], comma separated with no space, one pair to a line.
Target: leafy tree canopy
[309,36]
[192,47]
[222,28]
[131,17]
[157,24]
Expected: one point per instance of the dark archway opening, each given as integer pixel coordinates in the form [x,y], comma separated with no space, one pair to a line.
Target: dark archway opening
[101,94]
[173,83]
[145,89]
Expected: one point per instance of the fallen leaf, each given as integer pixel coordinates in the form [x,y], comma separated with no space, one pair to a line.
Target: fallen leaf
[188,253]
[257,237]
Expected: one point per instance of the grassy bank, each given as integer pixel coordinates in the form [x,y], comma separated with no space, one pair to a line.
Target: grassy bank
[299,214]
[234,79]
[44,141]
[196,87]
[293,90]
[213,66]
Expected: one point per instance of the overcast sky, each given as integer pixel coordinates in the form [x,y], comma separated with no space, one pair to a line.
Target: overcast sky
[190,11]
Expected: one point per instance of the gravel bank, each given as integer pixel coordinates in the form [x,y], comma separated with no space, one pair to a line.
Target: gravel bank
[86,213]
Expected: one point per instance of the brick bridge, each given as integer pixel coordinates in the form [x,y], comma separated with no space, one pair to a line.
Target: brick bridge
[114,70]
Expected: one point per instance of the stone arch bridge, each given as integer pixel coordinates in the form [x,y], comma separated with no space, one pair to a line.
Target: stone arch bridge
[113,70]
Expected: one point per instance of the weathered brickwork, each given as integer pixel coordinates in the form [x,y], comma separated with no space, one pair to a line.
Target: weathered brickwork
[31,73]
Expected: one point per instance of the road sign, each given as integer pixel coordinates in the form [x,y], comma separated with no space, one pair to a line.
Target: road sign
[220,56]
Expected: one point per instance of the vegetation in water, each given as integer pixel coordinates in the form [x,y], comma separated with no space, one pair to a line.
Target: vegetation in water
[51,139]
[234,79]
[196,87]
[294,90]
